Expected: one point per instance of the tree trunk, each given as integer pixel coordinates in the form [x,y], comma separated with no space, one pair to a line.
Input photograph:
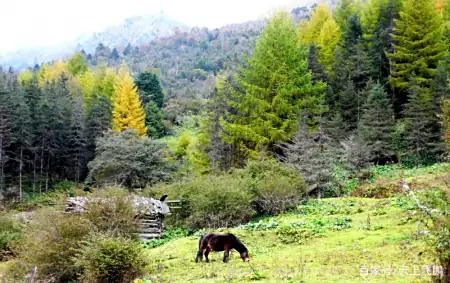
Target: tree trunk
[20,173]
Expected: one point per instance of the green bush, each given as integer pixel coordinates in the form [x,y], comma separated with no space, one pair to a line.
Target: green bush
[9,234]
[49,243]
[263,187]
[212,201]
[107,258]
[275,187]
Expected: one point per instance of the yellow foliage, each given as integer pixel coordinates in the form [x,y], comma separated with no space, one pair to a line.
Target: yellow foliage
[328,39]
[25,76]
[43,75]
[128,112]
[57,69]
[309,32]
[87,84]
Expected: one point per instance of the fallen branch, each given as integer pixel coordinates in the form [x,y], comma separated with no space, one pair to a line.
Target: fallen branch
[427,211]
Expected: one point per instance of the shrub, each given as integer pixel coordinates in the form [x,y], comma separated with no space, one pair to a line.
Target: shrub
[49,243]
[115,216]
[275,187]
[264,187]
[212,201]
[9,234]
[379,189]
[107,258]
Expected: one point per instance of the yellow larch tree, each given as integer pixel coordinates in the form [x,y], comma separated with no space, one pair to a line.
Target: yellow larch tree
[327,41]
[310,31]
[128,112]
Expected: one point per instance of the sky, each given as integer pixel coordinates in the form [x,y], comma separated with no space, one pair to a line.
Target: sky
[37,23]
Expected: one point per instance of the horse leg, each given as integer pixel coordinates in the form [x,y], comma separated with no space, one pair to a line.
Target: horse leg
[208,249]
[226,254]
[199,255]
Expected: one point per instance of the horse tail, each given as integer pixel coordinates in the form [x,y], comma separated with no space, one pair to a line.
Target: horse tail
[200,241]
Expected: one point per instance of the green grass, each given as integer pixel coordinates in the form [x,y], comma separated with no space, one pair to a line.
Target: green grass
[335,252]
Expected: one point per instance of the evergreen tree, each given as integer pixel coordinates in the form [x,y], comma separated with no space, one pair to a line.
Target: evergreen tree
[5,128]
[418,45]
[350,106]
[21,134]
[115,54]
[316,68]
[77,141]
[127,50]
[98,122]
[311,155]
[154,120]
[379,41]
[128,112]
[423,142]
[274,87]
[150,88]
[377,125]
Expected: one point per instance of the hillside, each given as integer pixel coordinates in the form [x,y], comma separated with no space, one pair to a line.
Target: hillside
[136,30]
[338,238]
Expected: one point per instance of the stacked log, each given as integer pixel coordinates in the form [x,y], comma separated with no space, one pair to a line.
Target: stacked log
[150,227]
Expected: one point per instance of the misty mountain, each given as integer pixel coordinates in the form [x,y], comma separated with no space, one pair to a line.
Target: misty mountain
[135,30]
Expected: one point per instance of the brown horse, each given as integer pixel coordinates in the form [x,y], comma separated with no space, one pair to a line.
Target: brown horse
[220,242]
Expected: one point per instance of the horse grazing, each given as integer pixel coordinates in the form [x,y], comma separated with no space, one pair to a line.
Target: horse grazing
[220,242]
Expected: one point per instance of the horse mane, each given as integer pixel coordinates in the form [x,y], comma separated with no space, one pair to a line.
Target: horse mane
[240,247]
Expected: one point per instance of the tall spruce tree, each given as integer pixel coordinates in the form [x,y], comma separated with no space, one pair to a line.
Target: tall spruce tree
[311,155]
[154,120]
[377,125]
[5,128]
[275,85]
[150,88]
[98,122]
[77,141]
[418,46]
[22,135]
[423,142]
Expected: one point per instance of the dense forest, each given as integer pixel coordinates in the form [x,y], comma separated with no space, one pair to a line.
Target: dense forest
[365,83]
[322,131]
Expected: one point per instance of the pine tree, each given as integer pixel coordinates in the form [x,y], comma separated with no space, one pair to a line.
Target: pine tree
[127,50]
[5,128]
[423,141]
[77,141]
[21,134]
[350,106]
[154,120]
[378,39]
[127,108]
[150,88]
[377,125]
[115,54]
[311,155]
[274,87]
[418,45]
[98,122]
[316,68]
